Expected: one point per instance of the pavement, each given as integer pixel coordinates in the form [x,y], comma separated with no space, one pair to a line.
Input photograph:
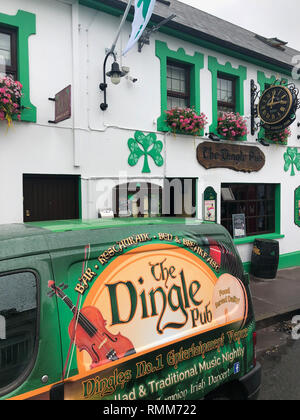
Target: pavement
[275,302]
[276,298]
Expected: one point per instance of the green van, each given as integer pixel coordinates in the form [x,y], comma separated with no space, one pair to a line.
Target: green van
[141,309]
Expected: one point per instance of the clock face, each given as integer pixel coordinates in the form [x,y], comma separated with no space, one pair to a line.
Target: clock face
[275,104]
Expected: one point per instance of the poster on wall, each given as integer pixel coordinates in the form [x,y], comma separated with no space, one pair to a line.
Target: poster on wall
[239,225]
[210,205]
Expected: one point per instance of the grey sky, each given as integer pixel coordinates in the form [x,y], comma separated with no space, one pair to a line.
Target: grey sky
[270,18]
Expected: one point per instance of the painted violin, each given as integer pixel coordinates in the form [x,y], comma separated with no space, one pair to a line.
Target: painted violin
[88,331]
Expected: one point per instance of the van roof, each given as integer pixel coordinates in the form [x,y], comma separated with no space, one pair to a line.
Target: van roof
[22,230]
[34,238]
[67,225]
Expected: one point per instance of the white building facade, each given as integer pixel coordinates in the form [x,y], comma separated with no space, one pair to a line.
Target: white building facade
[63,43]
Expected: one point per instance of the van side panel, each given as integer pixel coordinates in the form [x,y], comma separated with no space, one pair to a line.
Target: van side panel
[43,365]
[159,312]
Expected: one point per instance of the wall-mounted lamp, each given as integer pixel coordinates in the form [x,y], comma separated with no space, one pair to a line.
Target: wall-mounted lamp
[115,74]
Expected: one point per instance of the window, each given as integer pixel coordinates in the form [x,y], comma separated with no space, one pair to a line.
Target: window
[137,199]
[178,86]
[226,94]
[8,52]
[180,80]
[227,89]
[179,197]
[256,201]
[18,326]
[15,31]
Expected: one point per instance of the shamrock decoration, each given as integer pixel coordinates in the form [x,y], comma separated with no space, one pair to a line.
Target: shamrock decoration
[145,145]
[292,159]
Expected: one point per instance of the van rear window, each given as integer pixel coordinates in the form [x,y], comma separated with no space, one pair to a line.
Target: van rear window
[18,322]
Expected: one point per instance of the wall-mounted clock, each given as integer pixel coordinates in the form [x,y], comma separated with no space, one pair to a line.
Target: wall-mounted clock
[276,106]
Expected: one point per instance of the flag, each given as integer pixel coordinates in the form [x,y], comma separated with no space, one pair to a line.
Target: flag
[142,15]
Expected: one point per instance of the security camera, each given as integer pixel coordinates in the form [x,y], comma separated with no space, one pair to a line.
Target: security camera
[132,79]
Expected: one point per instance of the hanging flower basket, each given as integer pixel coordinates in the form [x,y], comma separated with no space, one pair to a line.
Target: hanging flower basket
[278,138]
[185,121]
[232,126]
[10,95]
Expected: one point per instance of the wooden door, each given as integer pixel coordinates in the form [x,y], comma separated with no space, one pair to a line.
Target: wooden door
[50,197]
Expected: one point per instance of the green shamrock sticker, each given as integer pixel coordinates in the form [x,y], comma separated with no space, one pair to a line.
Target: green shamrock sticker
[292,160]
[144,146]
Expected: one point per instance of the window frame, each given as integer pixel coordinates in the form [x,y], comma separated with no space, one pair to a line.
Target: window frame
[24,23]
[187,70]
[13,68]
[27,371]
[275,217]
[222,76]
[195,62]
[240,75]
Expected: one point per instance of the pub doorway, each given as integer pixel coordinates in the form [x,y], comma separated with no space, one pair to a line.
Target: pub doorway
[50,197]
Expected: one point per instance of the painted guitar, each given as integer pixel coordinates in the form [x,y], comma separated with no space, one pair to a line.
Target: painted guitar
[87,330]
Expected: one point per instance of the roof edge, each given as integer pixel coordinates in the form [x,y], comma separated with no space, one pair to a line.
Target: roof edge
[194,36]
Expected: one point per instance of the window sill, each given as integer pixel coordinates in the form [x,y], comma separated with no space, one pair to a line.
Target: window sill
[251,239]
[240,139]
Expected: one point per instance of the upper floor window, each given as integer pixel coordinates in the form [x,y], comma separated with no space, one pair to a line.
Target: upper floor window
[227,90]
[180,81]
[226,94]
[178,85]
[8,52]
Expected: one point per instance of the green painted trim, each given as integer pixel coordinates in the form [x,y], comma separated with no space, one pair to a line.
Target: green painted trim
[241,76]
[262,80]
[289,260]
[297,206]
[278,208]
[247,267]
[285,261]
[196,62]
[79,197]
[26,25]
[93,4]
[251,239]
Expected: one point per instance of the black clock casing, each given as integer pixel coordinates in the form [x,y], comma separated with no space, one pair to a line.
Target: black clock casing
[276,106]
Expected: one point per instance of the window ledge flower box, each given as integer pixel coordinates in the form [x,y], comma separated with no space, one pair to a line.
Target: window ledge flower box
[279,138]
[232,126]
[185,121]
[10,96]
